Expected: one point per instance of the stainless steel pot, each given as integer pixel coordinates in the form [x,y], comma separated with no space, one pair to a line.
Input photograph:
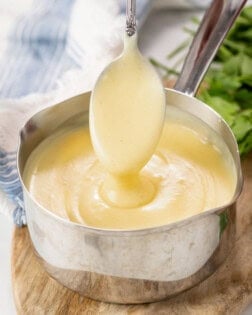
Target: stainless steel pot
[140,265]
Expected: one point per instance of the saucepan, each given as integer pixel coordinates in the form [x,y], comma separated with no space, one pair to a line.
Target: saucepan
[146,265]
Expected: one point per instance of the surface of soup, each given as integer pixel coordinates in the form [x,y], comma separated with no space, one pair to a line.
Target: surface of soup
[190,172]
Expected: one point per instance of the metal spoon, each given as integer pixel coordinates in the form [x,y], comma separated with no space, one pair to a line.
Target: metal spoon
[131,17]
[127,95]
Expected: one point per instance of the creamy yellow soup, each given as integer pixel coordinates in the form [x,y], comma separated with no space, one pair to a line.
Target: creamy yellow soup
[190,172]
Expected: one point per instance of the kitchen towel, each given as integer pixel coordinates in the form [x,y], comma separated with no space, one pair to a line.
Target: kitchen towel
[50,50]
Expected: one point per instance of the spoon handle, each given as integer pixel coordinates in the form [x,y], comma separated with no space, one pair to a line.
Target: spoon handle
[215,24]
[131,17]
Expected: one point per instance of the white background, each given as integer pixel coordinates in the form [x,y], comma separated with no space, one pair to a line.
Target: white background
[160,34]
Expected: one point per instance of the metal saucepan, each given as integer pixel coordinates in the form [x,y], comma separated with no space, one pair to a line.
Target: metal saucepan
[137,266]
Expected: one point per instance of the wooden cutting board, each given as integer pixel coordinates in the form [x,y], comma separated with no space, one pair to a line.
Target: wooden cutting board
[227,291]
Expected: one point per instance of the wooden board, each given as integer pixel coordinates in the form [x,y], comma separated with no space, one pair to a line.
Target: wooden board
[227,291]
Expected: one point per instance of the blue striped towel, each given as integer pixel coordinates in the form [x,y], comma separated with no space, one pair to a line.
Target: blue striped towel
[50,50]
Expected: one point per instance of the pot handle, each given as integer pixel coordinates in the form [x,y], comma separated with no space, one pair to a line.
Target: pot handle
[213,28]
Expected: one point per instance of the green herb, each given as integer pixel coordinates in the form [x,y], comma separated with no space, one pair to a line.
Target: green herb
[223,222]
[227,87]
[163,67]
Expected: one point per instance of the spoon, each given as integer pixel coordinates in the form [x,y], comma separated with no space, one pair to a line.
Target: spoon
[127,108]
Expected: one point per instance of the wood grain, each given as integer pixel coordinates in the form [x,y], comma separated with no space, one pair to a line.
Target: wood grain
[227,291]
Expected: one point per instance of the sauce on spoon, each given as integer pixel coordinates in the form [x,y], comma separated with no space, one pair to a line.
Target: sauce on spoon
[127,111]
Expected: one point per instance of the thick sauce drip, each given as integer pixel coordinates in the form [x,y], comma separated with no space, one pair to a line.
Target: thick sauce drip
[188,172]
[127,111]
